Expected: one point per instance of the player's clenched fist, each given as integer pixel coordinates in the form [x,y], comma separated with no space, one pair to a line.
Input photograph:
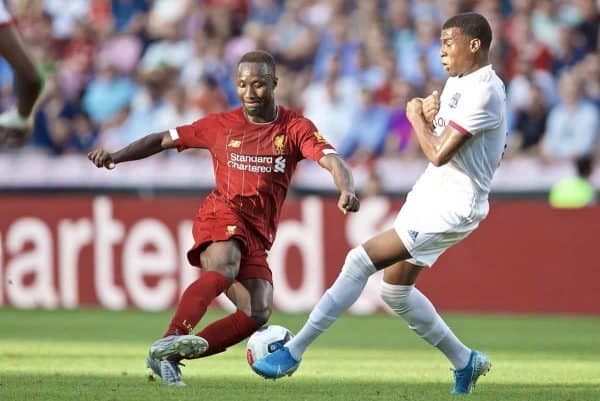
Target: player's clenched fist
[101,158]
[431,106]
[348,202]
[414,108]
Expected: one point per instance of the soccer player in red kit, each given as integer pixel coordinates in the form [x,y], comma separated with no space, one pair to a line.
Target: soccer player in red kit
[255,150]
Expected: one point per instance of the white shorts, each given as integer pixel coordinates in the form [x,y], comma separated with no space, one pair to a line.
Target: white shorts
[429,225]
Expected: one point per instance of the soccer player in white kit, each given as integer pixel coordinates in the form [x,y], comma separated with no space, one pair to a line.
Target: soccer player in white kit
[463,134]
[17,122]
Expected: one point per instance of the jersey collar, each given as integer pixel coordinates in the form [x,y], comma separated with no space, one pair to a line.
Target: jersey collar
[265,123]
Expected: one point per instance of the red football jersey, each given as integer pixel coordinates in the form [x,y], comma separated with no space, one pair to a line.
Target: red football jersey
[253,163]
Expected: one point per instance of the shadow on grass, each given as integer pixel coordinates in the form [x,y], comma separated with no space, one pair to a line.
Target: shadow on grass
[139,387]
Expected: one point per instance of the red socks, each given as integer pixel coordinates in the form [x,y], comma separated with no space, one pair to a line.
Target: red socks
[192,306]
[228,331]
[195,300]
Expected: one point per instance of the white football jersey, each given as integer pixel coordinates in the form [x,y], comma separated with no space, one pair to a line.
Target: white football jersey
[475,105]
[5,17]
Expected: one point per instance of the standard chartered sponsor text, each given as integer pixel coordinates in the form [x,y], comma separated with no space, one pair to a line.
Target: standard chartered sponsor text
[251,163]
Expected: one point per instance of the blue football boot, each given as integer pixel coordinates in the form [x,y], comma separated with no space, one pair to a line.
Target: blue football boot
[466,378]
[276,364]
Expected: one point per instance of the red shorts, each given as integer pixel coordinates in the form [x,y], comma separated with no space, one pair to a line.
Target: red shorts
[222,225]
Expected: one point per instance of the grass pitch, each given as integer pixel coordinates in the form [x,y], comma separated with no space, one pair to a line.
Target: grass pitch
[99,355]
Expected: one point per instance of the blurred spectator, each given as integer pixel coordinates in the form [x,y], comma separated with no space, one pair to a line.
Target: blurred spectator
[208,97]
[400,24]
[589,72]
[547,20]
[400,140]
[368,130]
[147,104]
[123,51]
[176,109]
[366,71]
[522,44]
[589,23]
[107,93]
[530,121]
[129,15]
[292,40]
[172,49]
[126,67]
[520,86]
[573,124]
[265,12]
[65,15]
[167,15]
[425,50]
[77,60]
[334,96]
[83,135]
[336,40]
[252,37]
[569,50]
[577,191]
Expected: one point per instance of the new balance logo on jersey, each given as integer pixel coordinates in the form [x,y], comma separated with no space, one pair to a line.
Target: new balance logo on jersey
[279,165]
[413,234]
[234,143]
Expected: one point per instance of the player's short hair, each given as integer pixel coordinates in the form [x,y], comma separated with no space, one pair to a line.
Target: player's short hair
[472,24]
[259,56]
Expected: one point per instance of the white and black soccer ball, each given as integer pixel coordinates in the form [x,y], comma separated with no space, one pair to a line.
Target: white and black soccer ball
[266,340]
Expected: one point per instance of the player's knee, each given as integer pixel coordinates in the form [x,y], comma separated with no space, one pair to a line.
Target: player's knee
[396,296]
[358,266]
[261,315]
[228,267]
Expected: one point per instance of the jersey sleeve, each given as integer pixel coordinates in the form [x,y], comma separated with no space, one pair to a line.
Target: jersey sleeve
[477,112]
[311,142]
[199,134]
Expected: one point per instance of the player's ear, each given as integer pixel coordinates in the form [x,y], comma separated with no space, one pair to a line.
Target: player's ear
[474,45]
[275,82]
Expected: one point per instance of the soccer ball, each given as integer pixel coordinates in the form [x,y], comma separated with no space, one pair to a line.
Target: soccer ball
[266,340]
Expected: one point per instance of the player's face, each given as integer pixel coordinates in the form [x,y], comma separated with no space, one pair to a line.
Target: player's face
[456,51]
[255,85]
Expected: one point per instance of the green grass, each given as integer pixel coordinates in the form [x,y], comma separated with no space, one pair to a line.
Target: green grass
[98,355]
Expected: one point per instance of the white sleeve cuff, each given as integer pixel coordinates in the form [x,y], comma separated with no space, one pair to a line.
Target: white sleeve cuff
[329,152]
[174,134]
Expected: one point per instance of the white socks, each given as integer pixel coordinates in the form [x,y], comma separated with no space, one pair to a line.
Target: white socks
[337,299]
[414,307]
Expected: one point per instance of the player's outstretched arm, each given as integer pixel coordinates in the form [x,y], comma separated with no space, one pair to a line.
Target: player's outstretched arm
[342,176]
[140,149]
[438,149]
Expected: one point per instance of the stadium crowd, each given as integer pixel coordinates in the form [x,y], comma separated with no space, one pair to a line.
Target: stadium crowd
[116,70]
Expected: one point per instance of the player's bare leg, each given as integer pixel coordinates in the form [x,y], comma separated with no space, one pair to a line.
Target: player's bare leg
[16,123]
